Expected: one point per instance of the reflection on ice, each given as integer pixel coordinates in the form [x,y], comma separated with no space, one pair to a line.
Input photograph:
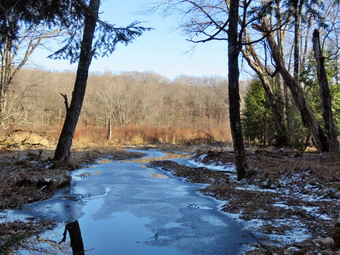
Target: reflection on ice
[75,238]
[165,156]
[173,225]
[160,176]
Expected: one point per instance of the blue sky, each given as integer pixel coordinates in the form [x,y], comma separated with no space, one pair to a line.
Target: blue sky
[164,50]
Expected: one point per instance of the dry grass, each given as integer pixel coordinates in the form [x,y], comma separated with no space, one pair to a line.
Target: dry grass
[96,136]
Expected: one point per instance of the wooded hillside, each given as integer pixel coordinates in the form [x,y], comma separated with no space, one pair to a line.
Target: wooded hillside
[141,107]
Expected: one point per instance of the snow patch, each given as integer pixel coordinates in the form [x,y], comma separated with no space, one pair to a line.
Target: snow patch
[255,188]
[215,167]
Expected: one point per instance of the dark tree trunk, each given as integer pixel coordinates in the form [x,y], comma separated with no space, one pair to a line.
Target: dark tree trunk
[63,149]
[325,95]
[233,87]
[109,128]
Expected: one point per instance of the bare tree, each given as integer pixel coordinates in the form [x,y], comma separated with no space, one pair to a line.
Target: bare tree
[219,20]
[13,58]
[320,140]
[234,49]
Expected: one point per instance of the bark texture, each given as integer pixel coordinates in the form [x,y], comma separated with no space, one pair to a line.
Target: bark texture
[233,87]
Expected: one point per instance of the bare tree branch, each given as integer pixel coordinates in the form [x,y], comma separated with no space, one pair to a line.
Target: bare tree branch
[65,101]
[213,37]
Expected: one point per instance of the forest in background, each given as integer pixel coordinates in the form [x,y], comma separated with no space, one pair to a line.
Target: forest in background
[139,107]
[293,107]
[145,107]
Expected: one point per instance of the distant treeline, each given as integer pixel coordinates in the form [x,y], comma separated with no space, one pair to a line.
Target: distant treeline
[139,100]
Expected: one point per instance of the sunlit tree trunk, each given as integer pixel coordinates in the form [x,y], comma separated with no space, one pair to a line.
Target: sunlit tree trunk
[326,100]
[297,5]
[63,149]
[5,78]
[284,102]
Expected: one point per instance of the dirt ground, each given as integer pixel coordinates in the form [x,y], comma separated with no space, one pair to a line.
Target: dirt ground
[286,194]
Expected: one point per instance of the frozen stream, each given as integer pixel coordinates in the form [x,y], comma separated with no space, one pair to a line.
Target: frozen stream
[125,208]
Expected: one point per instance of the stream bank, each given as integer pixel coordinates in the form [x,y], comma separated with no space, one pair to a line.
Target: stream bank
[28,175]
[292,198]
[126,207]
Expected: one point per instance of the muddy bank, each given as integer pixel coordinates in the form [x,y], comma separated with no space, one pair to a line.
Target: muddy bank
[27,176]
[290,199]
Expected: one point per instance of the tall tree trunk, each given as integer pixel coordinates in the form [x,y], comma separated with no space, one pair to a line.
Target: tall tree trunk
[283,103]
[297,34]
[305,44]
[325,95]
[319,138]
[5,79]
[233,87]
[63,149]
